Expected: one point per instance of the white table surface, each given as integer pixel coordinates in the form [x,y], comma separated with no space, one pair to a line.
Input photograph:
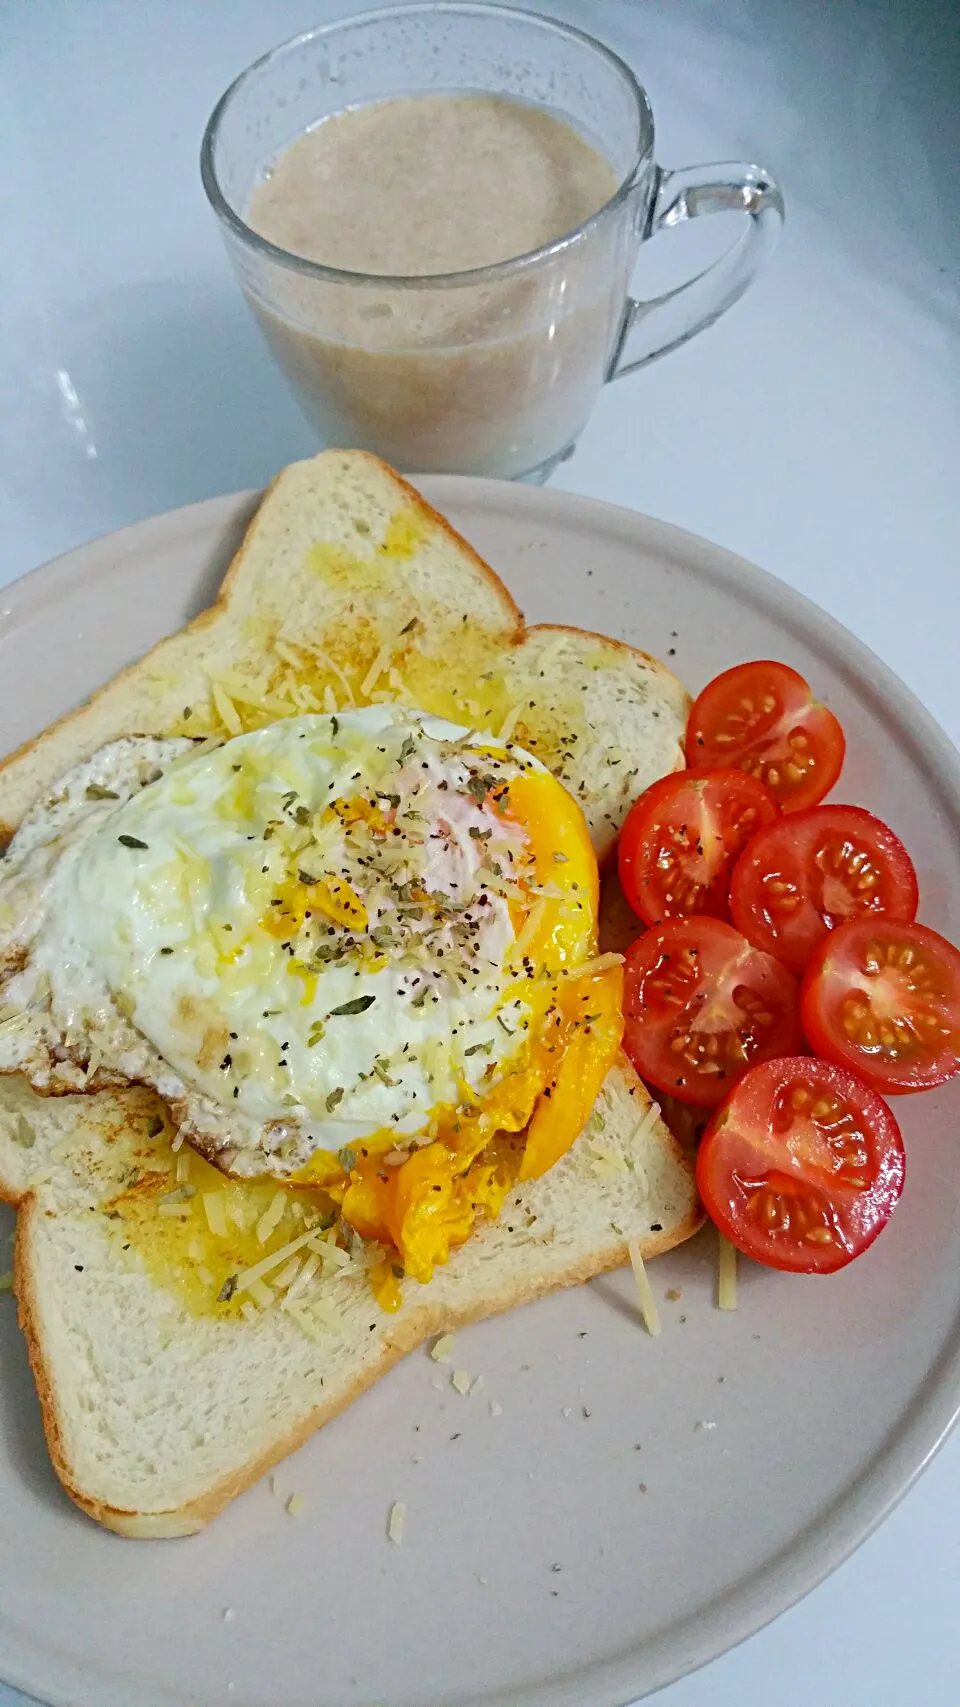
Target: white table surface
[816,430]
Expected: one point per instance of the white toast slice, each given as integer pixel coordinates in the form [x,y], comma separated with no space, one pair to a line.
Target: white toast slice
[139,1395]
[347,588]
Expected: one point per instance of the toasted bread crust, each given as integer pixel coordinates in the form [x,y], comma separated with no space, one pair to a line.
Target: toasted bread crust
[208,619]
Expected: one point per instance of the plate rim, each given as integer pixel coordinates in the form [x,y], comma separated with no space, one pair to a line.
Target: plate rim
[932,1411]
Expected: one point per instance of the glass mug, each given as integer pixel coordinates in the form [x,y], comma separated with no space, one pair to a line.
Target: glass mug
[494,370]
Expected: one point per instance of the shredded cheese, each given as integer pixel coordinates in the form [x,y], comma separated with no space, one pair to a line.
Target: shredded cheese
[295,1505]
[226,710]
[305,1322]
[590,968]
[324,659]
[6,1281]
[274,1260]
[460,1381]
[726,1274]
[288,654]
[215,1209]
[261,1293]
[509,724]
[397,1521]
[249,1311]
[328,1315]
[550,654]
[309,1269]
[533,925]
[376,669]
[441,1348]
[271,1217]
[287,1275]
[648,1304]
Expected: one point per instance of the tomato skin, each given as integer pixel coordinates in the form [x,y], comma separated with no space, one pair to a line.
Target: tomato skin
[796,1189]
[857,989]
[762,718]
[681,837]
[814,869]
[700,1004]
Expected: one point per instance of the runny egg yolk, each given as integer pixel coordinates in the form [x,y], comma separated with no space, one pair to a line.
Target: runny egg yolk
[425,1205]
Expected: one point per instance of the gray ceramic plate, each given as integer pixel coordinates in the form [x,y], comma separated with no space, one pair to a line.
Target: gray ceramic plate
[638,1505]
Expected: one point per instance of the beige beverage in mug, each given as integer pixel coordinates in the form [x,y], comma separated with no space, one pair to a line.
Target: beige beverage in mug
[489,377]
[434,212]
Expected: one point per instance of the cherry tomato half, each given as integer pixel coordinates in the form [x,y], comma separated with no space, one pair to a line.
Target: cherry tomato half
[883,997]
[802,1165]
[680,839]
[811,871]
[763,719]
[701,1004]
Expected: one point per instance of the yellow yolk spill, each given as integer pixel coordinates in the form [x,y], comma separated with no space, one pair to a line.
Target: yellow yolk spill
[426,1206]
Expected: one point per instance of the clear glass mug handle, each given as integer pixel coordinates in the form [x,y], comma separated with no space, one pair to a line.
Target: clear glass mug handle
[652,329]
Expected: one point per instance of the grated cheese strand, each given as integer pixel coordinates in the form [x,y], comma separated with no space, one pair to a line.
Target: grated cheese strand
[324,659]
[226,710]
[274,1260]
[376,669]
[304,1320]
[590,968]
[397,1522]
[726,1274]
[509,724]
[302,1281]
[271,1217]
[648,1304]
[532,925]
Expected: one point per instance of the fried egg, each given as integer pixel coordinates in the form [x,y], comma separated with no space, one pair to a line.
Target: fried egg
[356,949]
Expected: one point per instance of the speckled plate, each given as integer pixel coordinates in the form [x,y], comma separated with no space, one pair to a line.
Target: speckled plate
[611,1510]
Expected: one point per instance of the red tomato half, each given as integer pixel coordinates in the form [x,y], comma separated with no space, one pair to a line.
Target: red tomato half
[701,1005]
[809,872]
[680,839]
[883,997]
[802,1165]
[763,719]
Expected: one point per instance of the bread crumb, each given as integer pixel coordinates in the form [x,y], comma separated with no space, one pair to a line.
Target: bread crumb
[228,1615]
[567,1411]
[495,1409]
[295,1504]
[483,1579]
[460,1380]
[674,1293]
[441,1349]
[396,1521]
[704,1425]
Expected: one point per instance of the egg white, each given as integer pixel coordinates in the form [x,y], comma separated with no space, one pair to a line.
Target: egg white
[132,937]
